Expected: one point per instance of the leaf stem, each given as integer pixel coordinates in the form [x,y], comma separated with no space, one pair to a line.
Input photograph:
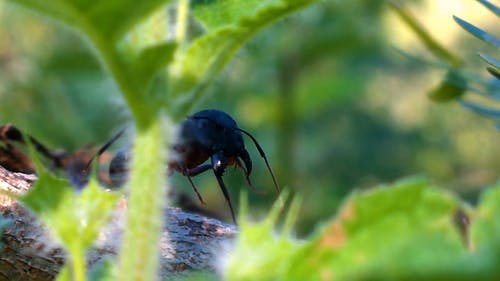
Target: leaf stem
[119,70]
[432,44]
[78,263]
[147,199]
[182,21]
[139,253]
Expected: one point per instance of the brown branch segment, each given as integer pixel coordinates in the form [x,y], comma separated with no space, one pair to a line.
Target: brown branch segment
[189,242]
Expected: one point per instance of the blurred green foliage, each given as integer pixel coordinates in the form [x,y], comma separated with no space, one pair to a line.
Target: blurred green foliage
[334,110]
[51,85]
[410,230]
[159,79]
[348,111]
[74,220]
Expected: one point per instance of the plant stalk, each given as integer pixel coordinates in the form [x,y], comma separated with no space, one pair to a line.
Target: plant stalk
[78,263]
[182,21]
[139,256]
[139,253]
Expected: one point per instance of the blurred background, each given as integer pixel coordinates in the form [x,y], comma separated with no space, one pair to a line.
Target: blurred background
[327,92]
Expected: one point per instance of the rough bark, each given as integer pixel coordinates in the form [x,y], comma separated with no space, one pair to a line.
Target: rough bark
[189,242]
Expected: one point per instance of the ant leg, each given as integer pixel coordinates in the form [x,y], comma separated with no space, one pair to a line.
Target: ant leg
[219,164]
[196,170]
[196,190]
[193,172]
[226,194]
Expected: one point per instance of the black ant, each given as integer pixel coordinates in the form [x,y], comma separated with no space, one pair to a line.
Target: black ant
[208,134]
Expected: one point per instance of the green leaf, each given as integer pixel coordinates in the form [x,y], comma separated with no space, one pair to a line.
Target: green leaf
[407,231]
[104,23]
[56,9]
[484,232]
[229,25]
[228,11]
[486,224]
[49,197]
[93,208]
[151,60]
[259,254]
[73,219]
[111,18]
[494,71]
[452,87]
[389,233]
[115,18]
[479,33]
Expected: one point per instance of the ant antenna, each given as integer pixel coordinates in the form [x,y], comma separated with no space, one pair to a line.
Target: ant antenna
[263,155]
[102,149]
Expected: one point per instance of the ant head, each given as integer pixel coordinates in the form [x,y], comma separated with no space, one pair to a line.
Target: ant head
[263,155]
[226,122]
